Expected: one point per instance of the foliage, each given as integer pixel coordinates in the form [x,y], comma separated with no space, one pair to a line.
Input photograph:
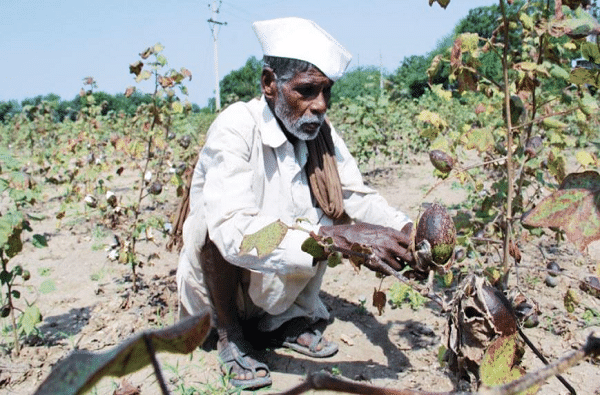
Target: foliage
[242,84]
[361,81]
[547,117]
[21,191]
[400,294]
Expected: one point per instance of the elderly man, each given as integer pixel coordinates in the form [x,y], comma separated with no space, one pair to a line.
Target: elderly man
[278,158]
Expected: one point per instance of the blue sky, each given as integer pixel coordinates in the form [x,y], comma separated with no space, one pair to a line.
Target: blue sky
[49,46]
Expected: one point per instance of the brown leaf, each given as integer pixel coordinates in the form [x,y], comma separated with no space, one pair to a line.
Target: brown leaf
[456,54]
[147,52]
[186,73]
[136,68]
[166,82]
[379,299]
[126,388]
[514,251]
[129,91]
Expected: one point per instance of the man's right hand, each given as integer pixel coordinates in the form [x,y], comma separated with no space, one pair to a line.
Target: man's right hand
[390,245]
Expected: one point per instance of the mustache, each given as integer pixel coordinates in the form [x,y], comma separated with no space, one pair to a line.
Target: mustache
[307,119]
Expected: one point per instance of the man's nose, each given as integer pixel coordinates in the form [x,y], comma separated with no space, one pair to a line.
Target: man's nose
[319,104]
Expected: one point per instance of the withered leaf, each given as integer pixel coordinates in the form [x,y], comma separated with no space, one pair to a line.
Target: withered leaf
[136,68]
[129,91]
[82,369]
[500,364]
[574,208]
[379,299]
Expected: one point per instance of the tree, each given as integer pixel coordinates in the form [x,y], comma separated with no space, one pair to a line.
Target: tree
[8,109]
[359,82]
[242,84]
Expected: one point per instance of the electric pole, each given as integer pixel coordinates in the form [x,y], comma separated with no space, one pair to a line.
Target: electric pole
[214,28]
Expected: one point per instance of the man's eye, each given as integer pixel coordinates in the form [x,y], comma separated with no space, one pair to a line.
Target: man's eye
[306,90]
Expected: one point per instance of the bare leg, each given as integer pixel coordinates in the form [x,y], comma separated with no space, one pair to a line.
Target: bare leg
[222,281]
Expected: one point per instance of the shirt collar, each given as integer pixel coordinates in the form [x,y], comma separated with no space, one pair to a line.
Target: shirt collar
[271,132]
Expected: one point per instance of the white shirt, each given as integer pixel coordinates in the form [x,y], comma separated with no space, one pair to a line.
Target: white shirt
[249,175]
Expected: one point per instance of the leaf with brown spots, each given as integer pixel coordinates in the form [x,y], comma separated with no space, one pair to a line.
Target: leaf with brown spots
[574,208]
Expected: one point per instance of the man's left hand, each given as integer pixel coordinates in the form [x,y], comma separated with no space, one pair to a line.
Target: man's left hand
[388,244]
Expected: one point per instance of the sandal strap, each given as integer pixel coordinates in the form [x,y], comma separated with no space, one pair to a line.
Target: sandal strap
[236,353]
[317,337]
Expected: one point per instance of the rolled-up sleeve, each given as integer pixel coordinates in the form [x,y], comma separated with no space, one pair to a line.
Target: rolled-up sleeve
[362,203]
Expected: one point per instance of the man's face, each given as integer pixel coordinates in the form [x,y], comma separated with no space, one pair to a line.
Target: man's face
[301,103]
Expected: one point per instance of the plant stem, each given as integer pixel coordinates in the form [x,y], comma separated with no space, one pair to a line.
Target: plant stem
[509,143]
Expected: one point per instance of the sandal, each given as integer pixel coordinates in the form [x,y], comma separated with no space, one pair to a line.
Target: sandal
[297,328]
[240,354]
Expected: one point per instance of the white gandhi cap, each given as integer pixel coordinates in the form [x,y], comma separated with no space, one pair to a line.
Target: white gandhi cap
[302,39]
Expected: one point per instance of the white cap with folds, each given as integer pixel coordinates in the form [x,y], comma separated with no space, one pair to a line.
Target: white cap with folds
[302,39]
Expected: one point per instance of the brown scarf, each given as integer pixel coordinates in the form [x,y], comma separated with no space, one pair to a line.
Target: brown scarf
[323,176]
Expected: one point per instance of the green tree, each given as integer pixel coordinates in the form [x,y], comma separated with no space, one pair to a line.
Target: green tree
[242,84]
[8,109]
[358,82]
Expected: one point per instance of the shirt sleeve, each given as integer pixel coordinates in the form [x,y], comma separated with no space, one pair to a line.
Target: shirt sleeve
[230,199]
[362,203]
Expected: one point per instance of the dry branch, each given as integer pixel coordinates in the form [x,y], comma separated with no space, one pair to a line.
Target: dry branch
[324,381]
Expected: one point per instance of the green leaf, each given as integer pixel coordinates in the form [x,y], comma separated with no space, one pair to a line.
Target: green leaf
[47,286]
[588,104]
[553,123]
[144,75]
[265,240]
[526,21]
[10,223]
[314,249]
[500,363]
[479,139]
[590,52]
[559,73]
[582,76]
[158,47]
[5,277]
[39,241]
[29,319]
[334,259]
[4,185]
[161,60]
[8,160]
[77,373]
[574,208]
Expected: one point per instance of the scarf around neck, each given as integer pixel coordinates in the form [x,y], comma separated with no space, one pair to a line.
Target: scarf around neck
[322,172]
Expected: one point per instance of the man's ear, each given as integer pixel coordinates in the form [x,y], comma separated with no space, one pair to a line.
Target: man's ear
[268,82]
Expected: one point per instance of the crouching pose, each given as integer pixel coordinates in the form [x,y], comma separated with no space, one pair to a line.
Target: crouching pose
[278,158]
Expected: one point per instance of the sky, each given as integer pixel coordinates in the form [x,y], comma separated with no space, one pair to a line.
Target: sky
[50,46]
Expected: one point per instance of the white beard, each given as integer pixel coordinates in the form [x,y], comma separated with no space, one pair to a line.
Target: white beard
[282,111]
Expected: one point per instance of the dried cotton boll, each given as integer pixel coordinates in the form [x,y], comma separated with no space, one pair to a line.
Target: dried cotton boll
[479,314]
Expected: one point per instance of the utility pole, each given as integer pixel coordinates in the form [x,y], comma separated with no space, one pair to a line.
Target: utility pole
[214,28]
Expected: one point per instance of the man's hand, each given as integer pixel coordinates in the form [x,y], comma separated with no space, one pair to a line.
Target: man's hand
[390,245]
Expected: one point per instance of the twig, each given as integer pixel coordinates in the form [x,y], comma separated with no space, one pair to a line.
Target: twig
[590,348]
[375,260]
[324,381]
[155,365]
[545,361]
